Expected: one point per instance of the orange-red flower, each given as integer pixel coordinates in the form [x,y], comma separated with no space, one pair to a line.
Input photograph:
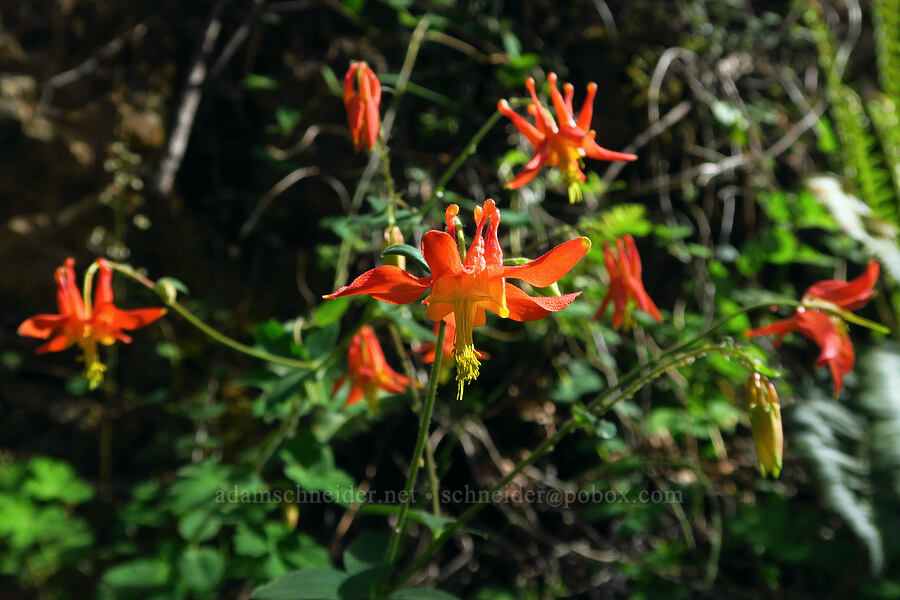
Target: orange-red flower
[821,318]
[86,326]
[362,97]
[563,144]
[625,283]
[467,288]
[368,370]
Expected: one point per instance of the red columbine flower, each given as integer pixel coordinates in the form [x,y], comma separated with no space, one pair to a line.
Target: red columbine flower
[369,370]
[362,96]
[625,283]
[467,288]
[821,317]
[562,145]
[85,325]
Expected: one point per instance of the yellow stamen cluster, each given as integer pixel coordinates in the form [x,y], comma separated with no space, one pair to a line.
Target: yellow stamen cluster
[94,370]
[575,194]
[572,178]
[467,365]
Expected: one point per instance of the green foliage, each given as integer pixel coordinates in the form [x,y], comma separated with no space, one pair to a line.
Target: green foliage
[39,535]
[886,17]
[854,452]
[617,221]
[862,161]
[206,445]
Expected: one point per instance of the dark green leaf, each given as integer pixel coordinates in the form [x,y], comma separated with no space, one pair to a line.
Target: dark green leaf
[139,573]
[199,525]
[309,584]
[365,552]
[254,81]
[201,569]
[421,594]
[432,522]
[330,311]
[410,252]
[55,480]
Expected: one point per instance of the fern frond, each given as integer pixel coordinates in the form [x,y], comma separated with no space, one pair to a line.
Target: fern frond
[862,163]
[880,397]
[832,439]
[619,220]
[886,15]
[854,451]
[886,121]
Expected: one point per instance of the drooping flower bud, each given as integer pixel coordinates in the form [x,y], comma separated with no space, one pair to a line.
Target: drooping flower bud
[391,237]
[362,97]
[765,422]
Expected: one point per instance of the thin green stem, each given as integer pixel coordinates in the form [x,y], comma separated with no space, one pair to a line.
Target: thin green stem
[722,321]
[217,336]
[430,467]
[388,178]
[626,386]
[460,159]
[607,401]
[635,373]
[88,287]
[424,424]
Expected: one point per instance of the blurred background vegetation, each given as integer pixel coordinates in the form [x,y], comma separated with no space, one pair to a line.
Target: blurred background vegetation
[207,141]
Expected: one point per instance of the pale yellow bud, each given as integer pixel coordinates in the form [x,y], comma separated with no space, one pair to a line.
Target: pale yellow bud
[391,237]
[765,422]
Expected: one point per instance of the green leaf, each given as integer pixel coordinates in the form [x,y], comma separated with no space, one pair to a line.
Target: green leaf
[255,81]
[287,119]
[603,429]
[331,80]
[433,522]
[55,480]
[421,594]
[410,252]
[617,221]
[199,525]
[410,328]
[175,283]
[354,6]
[201,569]
[827,141]
[249,541]
[319,341]
[577,380]
[493,593]
[365,552]
[138,573]
[310,464]
[309,584]
[168,350]
[303,552]
[197,485]
[330,311]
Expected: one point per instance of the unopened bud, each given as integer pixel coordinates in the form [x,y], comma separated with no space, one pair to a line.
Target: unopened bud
[392,237]
[765,422]
[291,515]
[167,290]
